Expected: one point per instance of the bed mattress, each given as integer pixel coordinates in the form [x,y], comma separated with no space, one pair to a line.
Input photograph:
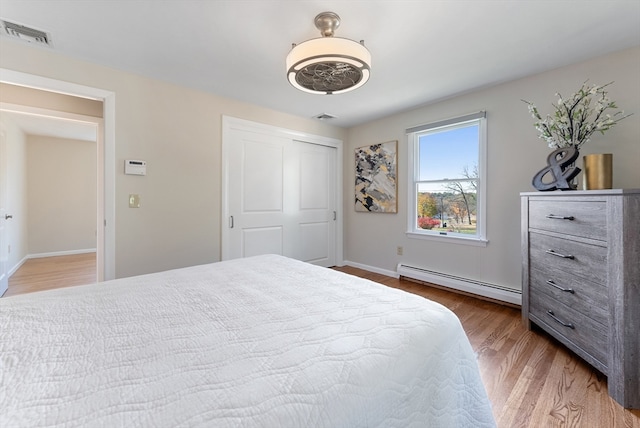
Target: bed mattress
[265,341]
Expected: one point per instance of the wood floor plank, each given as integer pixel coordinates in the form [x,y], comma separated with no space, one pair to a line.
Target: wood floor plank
[53,272]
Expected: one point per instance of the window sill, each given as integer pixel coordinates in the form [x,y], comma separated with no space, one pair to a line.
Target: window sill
[452,239]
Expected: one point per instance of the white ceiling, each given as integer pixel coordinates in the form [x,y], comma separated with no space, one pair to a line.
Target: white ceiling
[422,51]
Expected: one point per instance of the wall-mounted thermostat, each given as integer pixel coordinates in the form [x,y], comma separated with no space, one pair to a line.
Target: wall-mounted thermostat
[135,167]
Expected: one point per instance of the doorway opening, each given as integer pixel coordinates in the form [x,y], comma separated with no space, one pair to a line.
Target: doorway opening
[51,192]
[104,158]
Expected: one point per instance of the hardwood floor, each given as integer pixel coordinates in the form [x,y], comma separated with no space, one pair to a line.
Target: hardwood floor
[532,380]
[53,272]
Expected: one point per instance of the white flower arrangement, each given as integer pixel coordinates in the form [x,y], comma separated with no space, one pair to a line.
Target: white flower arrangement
[576,118]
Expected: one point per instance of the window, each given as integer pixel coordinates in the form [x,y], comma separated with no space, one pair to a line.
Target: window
[446,180]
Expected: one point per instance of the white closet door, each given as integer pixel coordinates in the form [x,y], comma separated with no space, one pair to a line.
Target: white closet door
[281,198]
[312,203]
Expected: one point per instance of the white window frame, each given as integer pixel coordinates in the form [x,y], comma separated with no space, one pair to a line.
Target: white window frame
[413,139]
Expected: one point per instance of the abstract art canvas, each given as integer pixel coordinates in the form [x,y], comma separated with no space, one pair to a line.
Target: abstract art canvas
[376,178]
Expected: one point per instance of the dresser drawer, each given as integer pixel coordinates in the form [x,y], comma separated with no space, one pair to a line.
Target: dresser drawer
[588,298]
[584,332]
[553,254]
[586,219]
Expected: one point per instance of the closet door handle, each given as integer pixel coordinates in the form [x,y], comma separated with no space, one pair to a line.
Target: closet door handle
[564,256]
[553,284]
[561,217]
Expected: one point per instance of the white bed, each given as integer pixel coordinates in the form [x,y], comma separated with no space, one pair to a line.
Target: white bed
[259,342]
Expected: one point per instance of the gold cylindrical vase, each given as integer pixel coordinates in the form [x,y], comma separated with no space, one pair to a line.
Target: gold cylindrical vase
[598,171]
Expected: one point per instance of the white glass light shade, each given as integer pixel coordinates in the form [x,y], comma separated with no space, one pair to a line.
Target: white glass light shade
[328,65]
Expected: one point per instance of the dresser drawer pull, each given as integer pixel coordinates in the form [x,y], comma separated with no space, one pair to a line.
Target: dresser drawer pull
[553,284]
[559,321]
[561,217]
[564,256]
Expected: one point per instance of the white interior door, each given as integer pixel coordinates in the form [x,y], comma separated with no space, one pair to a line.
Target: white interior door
[281,197]
[257,222]
[4,251]
[312,203]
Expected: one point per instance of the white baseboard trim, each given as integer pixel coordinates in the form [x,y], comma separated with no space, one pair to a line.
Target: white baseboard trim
[61,253]
[477,288]
[17,266]
[385,272]
[466,285]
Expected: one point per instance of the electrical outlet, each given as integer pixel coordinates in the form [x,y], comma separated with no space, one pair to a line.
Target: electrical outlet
[399,251]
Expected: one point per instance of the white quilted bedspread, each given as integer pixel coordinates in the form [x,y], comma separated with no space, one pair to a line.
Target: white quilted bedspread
[259,342]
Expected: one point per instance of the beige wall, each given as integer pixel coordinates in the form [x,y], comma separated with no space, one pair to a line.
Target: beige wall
[61,194]
[16,200]
[515,154]
[178,132]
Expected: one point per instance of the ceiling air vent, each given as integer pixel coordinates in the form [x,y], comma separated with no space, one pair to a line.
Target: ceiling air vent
[26,34]
[324,116]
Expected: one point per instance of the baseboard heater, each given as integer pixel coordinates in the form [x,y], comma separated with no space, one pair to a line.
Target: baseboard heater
[479,288]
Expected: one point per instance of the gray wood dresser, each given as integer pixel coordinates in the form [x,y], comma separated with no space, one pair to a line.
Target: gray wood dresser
[581,278]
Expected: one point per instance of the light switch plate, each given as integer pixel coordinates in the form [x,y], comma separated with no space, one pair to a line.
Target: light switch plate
[134,201]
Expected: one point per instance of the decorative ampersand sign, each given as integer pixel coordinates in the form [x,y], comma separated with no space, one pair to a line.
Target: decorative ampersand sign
[558,167]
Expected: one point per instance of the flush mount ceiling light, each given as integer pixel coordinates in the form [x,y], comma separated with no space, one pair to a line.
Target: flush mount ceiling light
[328,65]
